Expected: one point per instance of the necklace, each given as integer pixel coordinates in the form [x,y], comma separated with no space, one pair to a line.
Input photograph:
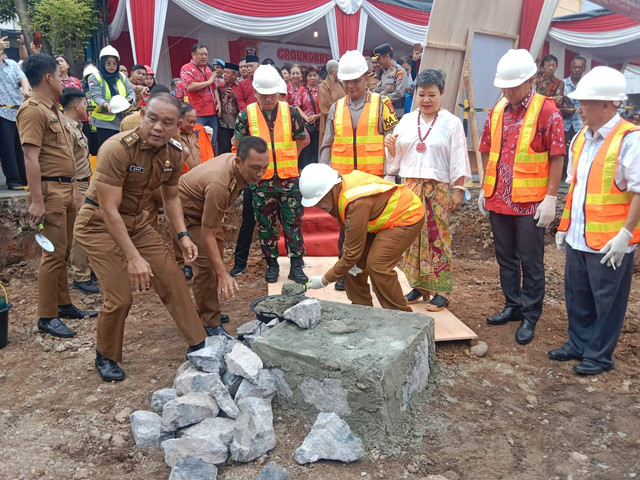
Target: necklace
[422,147]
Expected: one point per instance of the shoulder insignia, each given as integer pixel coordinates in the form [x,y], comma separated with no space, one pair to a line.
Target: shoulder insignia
[175,144]
[400,73]
[232,185]
[130,140]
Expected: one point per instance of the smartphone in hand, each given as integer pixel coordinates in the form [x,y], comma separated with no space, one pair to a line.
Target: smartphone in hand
[37,39]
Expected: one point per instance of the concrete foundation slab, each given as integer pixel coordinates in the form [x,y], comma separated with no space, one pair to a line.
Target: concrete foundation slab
[371,376]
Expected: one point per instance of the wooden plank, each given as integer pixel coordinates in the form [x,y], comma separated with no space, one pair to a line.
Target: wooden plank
[448,327]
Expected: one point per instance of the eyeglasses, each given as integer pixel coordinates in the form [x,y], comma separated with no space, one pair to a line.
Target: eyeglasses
[111,63]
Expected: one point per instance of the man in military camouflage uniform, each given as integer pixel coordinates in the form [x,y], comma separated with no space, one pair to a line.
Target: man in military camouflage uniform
[393,80]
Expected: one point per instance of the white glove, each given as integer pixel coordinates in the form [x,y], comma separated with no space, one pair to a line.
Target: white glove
[483,210]
[355,270]
[560,236]
[315,282]
[546,212]
[209,132]
[616,248]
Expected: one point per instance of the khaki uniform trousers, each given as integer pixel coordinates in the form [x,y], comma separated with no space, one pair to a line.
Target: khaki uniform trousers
[205,280]
[53,286]
[109,265]
[77,257]
[381,255]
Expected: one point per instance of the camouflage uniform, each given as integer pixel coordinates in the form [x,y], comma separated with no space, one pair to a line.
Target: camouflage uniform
[277,198]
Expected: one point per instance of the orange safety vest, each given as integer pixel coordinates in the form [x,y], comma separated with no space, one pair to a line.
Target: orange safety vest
[606,207]
[403,207]
[283,150]
[360,147]
[206,150]
[530,168]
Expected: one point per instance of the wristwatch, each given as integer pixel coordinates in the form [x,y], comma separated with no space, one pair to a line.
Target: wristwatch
[183,234]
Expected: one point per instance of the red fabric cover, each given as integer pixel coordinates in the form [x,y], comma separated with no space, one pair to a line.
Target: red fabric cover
[320,232]
[402,13]
[236,49]
[142,15]
[604,23]
[112,6]
[568,56]
[179,52]
[347,30]
[281,8]
[530,15]
[123,45]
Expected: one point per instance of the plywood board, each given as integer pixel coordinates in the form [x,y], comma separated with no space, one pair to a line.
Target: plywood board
[447,326]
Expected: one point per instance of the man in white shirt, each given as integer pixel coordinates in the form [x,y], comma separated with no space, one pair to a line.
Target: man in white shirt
[600,224]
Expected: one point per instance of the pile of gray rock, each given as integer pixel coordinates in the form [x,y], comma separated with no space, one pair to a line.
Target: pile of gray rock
[220,405]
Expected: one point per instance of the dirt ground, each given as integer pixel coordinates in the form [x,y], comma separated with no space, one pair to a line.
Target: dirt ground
[512,414]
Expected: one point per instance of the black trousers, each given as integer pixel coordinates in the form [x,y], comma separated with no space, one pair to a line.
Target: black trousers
[519,247]
[309,154]
[596,298]
[224,139]
[92,137]
[104,134]
[245,234]
[11,155]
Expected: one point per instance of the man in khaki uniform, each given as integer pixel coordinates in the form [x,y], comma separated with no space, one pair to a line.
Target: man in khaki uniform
[53,193]
[393,80]
[74,103]
[206,192]
[123,248]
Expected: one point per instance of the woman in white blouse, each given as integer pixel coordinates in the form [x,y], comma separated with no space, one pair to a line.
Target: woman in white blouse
[429,151]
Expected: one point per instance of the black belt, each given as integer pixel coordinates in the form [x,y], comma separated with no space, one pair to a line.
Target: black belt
[57,179]
[85,179]
[91,202]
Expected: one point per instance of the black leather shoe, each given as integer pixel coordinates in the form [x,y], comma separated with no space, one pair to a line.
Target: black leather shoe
[219,330]
[238,269]
[188,272]
[525,333]
[224,318]
[71,311]
[509,314]
[87,287]
[339,285]
[588,368]
[195,348]
[414,295]
[94,279]
[109,370]
[273,270]
[295,272]
[561,355]
[55,327]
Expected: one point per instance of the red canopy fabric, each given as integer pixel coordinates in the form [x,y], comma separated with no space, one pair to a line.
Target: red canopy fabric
[403,13]
[531,10]
[281,8]
[348,26]
[603,23]
[179,52]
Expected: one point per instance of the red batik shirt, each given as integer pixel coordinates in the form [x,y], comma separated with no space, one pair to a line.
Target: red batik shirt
[549,137]
[203,100]
[303,101]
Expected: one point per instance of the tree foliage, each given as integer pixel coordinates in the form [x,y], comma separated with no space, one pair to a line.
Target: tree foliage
[7,11]
[65,24]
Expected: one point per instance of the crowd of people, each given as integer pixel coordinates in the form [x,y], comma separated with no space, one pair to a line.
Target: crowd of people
[341,137]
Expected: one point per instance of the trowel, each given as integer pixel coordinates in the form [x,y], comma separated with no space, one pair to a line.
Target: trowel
[43,241]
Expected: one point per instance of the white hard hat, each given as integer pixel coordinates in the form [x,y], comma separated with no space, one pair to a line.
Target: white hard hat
[266,80]
[119,104]
[282,87]
[514,68]
[352,65]
[89,70]
[316,180]
[601,83]
[109,51]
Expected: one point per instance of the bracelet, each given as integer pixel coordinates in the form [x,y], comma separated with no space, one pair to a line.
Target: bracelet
[183,234]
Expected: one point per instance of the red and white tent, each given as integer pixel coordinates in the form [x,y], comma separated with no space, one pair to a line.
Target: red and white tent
[149,22]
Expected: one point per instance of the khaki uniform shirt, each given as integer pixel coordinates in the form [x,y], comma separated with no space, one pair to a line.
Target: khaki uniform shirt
[80,148]
[127,161]
[131,122]
[208,190]
[393,84]
[41,123]
[190,141]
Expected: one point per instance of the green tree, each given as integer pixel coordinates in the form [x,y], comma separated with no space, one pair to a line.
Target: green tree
[65,26]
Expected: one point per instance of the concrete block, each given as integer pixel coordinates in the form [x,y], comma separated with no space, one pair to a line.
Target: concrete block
[146,429]
[213,429]
[273,471]
[211,452]
[243,362]
[187,410]
[160,398]
[330,438]
[372,377]
[253,435]
[192,468]
[305,314]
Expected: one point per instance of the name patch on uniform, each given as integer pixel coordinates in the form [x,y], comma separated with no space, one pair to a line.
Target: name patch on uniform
[167,169]
[135,168]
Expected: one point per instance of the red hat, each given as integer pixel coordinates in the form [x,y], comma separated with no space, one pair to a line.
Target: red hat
[149,70]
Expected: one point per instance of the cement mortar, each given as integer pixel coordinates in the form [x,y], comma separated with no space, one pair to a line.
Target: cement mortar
[278,304]
[373,377]
[293,289]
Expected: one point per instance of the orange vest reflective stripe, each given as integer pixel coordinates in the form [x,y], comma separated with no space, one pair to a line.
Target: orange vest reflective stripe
[360,148]
[606,207]
[283,151]
[206,150]
[530,168]
[403,207]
